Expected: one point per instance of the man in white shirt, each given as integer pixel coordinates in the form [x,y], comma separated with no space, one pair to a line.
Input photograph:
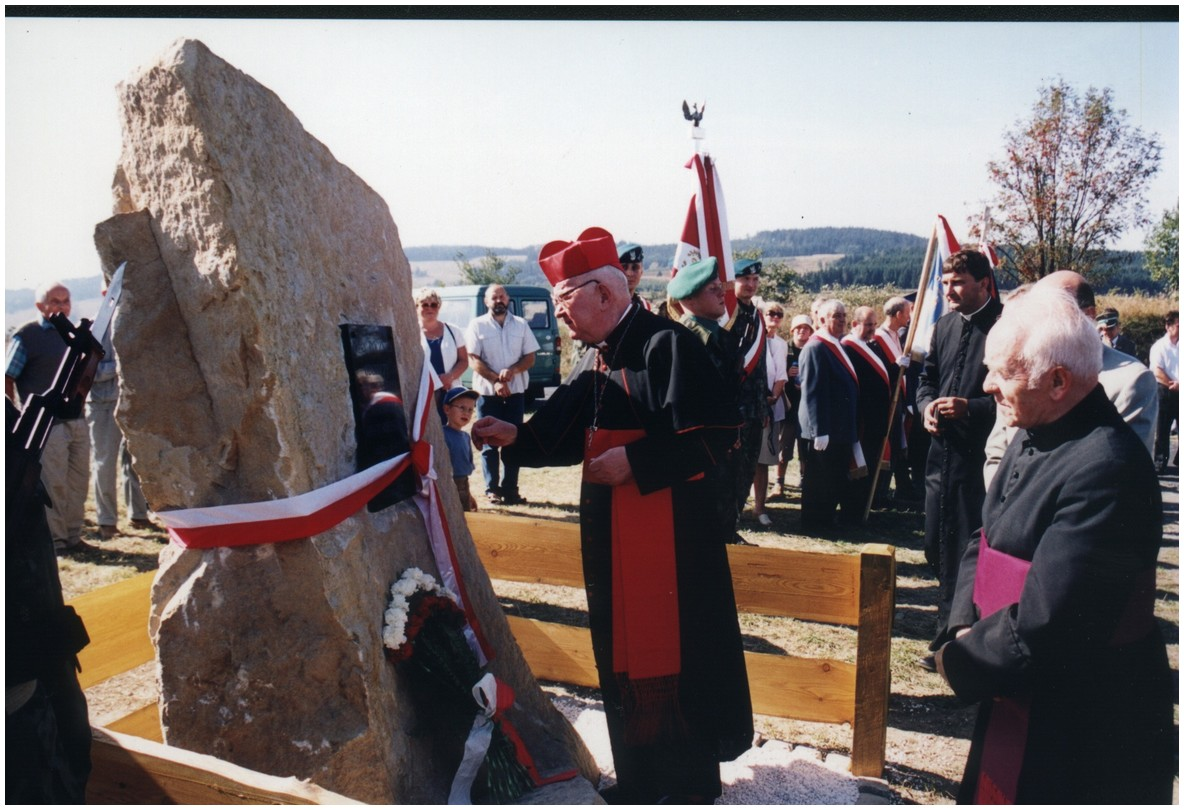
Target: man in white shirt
[1165,365]
[501,350]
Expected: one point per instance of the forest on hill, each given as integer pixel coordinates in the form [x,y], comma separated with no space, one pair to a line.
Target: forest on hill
[869,257]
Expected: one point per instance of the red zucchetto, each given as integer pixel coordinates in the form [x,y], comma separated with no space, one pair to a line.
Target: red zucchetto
[595,248]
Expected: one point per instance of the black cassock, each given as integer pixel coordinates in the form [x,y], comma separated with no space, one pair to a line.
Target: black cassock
[653,383]
[954,487]
[1081,650]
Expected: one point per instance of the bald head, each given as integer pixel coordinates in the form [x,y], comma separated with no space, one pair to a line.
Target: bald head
[1074,284]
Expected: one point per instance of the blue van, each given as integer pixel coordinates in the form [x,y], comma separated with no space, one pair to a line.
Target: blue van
[459,305]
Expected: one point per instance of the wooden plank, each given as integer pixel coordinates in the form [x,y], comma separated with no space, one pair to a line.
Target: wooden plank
[128,770]
[528,550]
[814,689]
[805,585]
[116,618]
[556,652]
[144,722]
[873,678]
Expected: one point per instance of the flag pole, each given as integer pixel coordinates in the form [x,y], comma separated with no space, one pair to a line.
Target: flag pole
[907,351]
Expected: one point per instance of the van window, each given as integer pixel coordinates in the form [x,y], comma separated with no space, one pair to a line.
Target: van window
[458,311]
[536,313]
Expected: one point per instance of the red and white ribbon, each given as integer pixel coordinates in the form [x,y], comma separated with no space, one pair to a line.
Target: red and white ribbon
[314,512]
[494,698]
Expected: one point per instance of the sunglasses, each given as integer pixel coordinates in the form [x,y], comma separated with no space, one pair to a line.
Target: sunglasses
[776,314]
[429,304]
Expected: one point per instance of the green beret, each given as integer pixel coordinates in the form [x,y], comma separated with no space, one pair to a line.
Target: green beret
[748,267]
[629,253]
[691,279]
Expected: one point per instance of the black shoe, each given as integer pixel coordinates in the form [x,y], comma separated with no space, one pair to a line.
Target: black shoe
[493,497]
[927,663]
[514,500]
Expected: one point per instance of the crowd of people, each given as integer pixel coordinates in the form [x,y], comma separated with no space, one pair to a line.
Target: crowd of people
[1028,432]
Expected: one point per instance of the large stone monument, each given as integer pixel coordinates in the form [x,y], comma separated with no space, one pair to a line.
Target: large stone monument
[248,245]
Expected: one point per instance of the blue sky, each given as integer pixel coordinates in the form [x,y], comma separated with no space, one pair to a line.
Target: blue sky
[516,133]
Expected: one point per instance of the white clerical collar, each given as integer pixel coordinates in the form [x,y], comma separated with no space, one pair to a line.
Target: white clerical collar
[620,321]
[977,311]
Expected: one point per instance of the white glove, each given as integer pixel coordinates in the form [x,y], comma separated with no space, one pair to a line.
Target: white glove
[821,442]
[903,361]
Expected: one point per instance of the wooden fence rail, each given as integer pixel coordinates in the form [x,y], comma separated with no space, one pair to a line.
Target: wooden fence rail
[856,590]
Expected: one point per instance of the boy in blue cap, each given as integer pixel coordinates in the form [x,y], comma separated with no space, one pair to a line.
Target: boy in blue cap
[459,405]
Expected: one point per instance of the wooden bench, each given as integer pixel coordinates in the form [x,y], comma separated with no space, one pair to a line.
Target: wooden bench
[856,590]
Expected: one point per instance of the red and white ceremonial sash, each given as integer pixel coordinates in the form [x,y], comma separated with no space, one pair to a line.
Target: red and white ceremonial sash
[867,354]
[757,350]
[833,345]
[314,512]
[857,467]
[890,343]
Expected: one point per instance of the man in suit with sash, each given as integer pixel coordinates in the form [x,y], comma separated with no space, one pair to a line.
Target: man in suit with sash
[827,418]
[1053,623]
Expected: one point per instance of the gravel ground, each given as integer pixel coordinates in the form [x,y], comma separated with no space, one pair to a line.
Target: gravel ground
[772,772]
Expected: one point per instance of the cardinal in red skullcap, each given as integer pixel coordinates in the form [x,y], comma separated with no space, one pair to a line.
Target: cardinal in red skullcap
[652,422]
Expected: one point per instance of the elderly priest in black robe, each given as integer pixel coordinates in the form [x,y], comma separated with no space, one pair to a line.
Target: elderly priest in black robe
[647,414]
[1053,615]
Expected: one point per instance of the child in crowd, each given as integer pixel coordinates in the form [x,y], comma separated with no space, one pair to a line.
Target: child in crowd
[459,405]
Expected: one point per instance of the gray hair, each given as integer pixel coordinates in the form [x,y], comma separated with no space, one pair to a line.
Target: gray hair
[828,307]
[1043,329]
[894,306]
[43,291]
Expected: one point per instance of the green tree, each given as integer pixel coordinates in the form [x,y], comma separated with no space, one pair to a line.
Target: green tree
[1073,177]
[491,269]
[1161,251]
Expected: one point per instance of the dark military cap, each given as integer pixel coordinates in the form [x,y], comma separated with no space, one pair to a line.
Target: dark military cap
[630,253]
[748,267]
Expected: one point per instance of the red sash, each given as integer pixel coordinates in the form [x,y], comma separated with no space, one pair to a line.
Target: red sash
[647,652]
[862,350]
[837,351]
[756,350]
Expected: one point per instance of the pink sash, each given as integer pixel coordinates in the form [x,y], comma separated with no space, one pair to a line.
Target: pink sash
[998,582]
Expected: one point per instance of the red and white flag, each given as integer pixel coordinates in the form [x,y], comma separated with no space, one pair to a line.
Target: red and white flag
[705,231]
[933,300]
